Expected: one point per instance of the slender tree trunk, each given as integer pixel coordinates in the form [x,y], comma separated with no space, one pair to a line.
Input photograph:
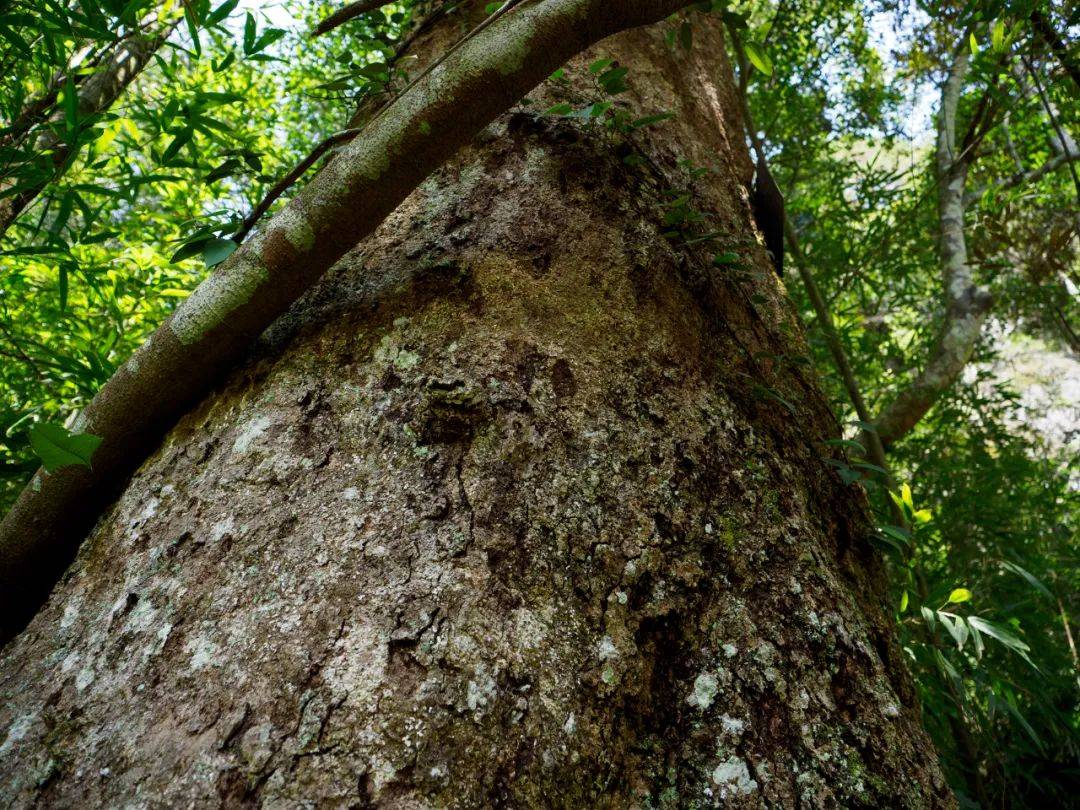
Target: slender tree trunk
[521,506]
[967,304]
[96,94]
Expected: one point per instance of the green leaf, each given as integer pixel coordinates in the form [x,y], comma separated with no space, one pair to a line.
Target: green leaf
[896,532]
[1028,576]
[928,617]
[758,57]
[956,626]
[849,443]
[221,12]
[959,595]
[973,43]
[997,35]
[614,81]
[249,33]
[58,447]
[215,251]
[648,120]
[686,35]
[996,631]
[559,109]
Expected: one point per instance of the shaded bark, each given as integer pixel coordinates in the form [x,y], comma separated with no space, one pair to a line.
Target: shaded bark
[502,513]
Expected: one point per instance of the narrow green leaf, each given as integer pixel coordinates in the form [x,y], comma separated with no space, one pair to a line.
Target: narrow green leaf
[758,57]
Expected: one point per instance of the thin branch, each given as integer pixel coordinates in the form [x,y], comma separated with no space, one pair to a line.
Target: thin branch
[1048,107]
[343,15]
[1048,35]
[1024,178]
[289,179]
[832,337]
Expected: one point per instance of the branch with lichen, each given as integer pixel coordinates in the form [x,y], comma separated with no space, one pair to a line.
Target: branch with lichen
[966,303]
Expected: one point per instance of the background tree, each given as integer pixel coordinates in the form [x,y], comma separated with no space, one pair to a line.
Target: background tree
[861,185]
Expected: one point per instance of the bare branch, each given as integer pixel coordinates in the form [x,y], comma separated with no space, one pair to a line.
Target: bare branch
[966,304]
[343,15]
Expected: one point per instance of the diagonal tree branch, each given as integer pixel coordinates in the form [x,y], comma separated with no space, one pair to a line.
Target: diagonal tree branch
[1048,35]
[213,328]
[96,94]
[966,304]
[343,15]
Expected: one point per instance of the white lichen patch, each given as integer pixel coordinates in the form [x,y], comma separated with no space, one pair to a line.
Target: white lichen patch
[16,731]
[250,433]
[480,692]
[705,689]
[84,678]
[149,509]
[530,632]
[203,652]
[606,649]
[71,613]
[221,528]
[730,650]
[406,360]
[732,777]
[732,725]
[220,294]
[359,667]
[570,726]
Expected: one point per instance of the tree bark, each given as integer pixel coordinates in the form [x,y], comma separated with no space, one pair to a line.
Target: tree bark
[505,512]
[215,326]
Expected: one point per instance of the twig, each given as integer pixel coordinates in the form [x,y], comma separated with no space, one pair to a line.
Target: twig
[295,174]
[1049,108]
[343,15]
[1048,35]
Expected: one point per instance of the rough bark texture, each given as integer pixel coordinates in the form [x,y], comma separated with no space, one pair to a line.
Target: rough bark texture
[506,512]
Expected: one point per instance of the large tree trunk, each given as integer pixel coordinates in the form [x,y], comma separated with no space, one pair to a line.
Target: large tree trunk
[522,522]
